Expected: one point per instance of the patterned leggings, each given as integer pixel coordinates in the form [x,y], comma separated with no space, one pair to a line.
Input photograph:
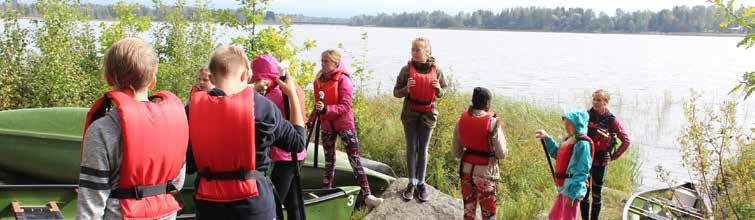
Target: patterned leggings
[478,189]
[349,138]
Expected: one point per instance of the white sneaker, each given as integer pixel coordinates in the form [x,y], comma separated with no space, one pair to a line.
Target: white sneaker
[373,201]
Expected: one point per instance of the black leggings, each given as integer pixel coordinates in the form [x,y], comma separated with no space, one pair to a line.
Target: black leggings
[283,179]
[597,173]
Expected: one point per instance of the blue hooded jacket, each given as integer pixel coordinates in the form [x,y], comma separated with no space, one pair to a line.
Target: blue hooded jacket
[580,162]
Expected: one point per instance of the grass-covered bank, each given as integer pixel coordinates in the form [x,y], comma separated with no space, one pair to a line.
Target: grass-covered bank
[525,189]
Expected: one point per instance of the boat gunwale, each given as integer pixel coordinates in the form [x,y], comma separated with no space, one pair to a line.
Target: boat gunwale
[29,133]
[40,135]
[341,191]
[37,186]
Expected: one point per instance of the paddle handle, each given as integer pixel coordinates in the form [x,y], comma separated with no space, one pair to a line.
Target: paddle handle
[317,141]
[548,158]
[321,94]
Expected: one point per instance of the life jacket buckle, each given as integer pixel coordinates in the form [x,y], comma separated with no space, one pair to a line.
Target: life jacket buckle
[170,188]
[207,175]
[138,192]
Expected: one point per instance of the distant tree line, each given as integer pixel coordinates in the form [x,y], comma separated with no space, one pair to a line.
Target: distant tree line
[108,13]
[678,19]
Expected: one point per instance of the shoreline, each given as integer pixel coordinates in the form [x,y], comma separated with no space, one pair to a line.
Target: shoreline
[693,34]
[685,34]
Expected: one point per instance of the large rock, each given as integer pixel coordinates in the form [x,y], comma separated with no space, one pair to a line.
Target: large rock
[439,205]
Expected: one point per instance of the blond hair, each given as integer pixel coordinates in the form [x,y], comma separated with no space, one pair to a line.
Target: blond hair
[332,55]
[425,40]
[130,63]
[602,93]
[228,60]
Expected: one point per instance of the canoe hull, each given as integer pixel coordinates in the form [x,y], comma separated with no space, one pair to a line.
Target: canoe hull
[337,203]
[59,162]
[45,144]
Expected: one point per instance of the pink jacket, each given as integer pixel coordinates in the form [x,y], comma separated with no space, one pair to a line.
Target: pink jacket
[345,119]
[265,67]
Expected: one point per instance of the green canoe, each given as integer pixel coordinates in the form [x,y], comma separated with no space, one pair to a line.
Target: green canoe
[43,146]
[44,143]
[59,202]
[677,202]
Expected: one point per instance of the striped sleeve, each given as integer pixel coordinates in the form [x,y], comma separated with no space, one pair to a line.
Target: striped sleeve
[101,138]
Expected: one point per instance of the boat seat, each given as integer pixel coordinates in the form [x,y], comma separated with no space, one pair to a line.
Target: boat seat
[49,211]
[684,198]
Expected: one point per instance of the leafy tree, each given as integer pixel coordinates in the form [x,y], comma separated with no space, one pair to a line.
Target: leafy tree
[745,19]
[127,24]
[13,43]
[276,41]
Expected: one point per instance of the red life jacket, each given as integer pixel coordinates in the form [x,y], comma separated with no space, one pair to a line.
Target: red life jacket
[330,88]
[154,141]
[564,156]
[222,140]
[422,94]
[473,132]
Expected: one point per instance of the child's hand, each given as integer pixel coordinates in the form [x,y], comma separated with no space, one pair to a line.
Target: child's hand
[261,86]
[540,134]
[319,106]
[411,83]
[289,86]
[436,84]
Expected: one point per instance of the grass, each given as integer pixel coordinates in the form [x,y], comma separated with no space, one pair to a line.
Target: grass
[525,190]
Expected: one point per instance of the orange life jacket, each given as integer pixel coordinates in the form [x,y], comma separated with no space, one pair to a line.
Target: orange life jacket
[564,156]
[154,141]
[330,89]
[222,140]
[474,135]
[422,94]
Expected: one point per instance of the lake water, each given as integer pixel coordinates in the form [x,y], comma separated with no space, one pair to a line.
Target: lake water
[650,76]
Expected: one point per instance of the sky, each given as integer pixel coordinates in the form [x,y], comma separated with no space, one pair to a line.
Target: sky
[348,8]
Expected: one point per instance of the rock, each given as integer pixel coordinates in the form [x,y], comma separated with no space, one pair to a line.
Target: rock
[438,206]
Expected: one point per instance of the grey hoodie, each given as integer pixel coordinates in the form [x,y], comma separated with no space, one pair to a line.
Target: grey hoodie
[101,155]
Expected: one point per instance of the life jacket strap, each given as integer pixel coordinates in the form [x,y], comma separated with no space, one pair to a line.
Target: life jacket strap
[562,175]
[418,102]
[479,153]
[140,192]
[229,175]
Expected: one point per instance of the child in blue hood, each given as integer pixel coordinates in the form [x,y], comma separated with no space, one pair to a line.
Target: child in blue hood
[573,161]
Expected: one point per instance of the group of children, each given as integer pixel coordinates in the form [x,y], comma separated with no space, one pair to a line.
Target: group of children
[244,116]
[478,139]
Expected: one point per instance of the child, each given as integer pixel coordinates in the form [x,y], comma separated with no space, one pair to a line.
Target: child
[604,129]
[573,161]
[265,73]
[420,82]
[479,141]
[337,119]
[232,127]
[203,80]
[132,157]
